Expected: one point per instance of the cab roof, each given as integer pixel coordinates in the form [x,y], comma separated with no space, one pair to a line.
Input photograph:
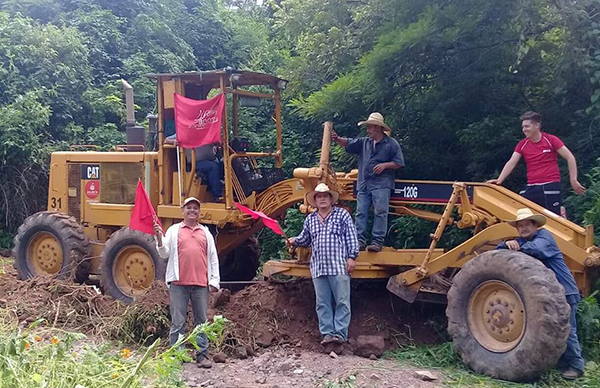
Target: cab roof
[213,77]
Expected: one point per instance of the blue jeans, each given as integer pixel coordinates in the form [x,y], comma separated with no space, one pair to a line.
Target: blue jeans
[333,304]
[572,357]
[179,297]
[212,170]
[380,198]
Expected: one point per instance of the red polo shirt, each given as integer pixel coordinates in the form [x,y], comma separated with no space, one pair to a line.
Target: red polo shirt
[191,250]
[541,158]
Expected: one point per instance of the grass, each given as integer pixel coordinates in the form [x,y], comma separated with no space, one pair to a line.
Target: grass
[455,374]
[41,356]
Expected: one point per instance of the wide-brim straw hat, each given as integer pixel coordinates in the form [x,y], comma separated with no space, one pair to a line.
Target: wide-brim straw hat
[527,214]
[321,188]
[376,118]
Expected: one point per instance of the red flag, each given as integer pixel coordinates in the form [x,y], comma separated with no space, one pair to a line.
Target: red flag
[143,215]
[268,221]
[198,122]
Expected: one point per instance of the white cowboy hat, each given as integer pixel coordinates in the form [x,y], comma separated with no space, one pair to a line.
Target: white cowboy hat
[321,188]
[527,214]
[376,118]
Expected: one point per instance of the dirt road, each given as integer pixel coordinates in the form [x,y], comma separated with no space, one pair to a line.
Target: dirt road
[289,367]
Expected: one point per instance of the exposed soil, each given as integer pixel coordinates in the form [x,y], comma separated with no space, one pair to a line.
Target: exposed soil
[287,367]
[287,312]
[275,323]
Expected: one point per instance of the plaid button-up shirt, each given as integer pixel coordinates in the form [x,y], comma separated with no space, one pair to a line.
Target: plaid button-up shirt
[333,242]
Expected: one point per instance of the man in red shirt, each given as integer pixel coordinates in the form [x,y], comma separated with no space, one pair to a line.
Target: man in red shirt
[540,151]
[192,270]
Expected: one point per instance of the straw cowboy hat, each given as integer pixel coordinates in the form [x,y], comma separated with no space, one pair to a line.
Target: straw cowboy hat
[527,214]
[321,188]
[376,118]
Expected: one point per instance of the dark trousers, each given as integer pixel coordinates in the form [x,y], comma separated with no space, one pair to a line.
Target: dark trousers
[179,297]
[572,357]
[212,170]
[547,195]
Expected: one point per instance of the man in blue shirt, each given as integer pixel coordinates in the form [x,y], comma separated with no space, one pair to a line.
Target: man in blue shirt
[379,156]
[540,244]
[332,236]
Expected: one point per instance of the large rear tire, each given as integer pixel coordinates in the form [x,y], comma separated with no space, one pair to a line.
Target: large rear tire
[242,263]
[508,315]
[130,265]
[51,243]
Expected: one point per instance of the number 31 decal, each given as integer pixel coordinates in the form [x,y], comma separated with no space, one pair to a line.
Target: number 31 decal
[54,202]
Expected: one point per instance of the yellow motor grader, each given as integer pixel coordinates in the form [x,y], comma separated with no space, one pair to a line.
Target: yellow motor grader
[507,313]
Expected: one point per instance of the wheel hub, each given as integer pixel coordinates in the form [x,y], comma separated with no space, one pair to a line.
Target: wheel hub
[45,254]
[496,316]
[133,270]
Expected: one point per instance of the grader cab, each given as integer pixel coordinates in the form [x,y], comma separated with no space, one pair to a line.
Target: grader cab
[91,194]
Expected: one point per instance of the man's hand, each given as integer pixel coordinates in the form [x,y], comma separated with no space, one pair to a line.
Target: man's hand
[577,187]
[350,265]
[494,182]
[341,141]
[290,242]
[378,169]
[212,289]
[158,233]
[513,245]
[334,136]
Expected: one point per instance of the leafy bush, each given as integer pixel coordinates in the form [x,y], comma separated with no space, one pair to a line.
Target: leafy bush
[45,357]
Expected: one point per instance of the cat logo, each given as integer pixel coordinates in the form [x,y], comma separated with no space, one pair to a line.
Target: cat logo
[90,171]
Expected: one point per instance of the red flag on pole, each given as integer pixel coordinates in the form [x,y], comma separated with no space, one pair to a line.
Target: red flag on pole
[268,221]
[143,215]
[198,122]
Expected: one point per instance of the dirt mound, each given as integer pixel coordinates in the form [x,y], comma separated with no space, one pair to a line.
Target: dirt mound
[66,305]
[261,315]
[267,314]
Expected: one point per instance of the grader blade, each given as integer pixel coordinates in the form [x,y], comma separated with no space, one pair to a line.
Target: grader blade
[408,293]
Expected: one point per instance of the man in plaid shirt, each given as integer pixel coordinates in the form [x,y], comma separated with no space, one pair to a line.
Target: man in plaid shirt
[332,236]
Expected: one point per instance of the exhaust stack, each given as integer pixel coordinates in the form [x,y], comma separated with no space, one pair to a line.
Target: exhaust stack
[136,134]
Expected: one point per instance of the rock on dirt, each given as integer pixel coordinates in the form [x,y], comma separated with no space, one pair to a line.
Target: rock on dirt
[222,298]
[240,352]
[264,339]
[425,375]
[367,345]
[219,358]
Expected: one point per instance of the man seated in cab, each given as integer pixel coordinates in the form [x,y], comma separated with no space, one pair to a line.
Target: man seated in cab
[540,244]
[208,164]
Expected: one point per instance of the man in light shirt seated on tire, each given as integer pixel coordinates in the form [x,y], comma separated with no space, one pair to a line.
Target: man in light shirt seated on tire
[540,244]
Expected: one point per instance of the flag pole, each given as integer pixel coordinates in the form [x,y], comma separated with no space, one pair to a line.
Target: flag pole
[179,174]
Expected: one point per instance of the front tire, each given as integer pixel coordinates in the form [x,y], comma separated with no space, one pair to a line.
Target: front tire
[130,265]
[51,243]
[508,316]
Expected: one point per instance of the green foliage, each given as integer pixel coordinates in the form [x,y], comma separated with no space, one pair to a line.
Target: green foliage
[586,207]
[455,374]
[38,357]
[588,326]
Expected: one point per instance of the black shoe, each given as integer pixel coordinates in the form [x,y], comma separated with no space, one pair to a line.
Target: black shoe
[374,247]
[361,246]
